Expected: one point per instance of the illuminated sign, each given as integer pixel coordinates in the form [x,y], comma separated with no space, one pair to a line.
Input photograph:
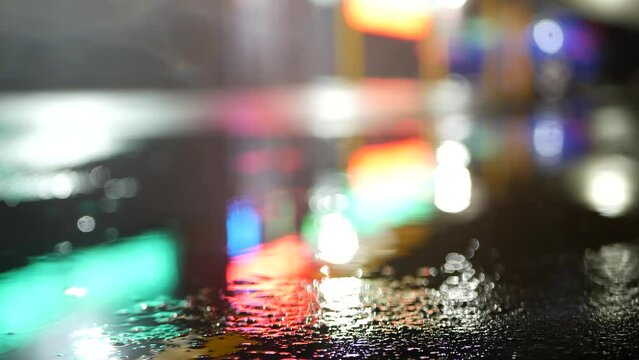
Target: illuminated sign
[405,19]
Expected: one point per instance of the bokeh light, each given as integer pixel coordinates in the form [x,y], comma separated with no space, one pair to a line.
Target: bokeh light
[62,185]
[86,224]
[99,175]
[63,248]
[391,184]
[452,153]
[337,239]
[608,184]
[609,192]
[548,138]
[453,184]
[407,19]
[453,188]
[335,107]
[243,227]
[548,36]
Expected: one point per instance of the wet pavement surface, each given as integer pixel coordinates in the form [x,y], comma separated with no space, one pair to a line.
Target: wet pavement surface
[339,179]
[565,306]
[371,246]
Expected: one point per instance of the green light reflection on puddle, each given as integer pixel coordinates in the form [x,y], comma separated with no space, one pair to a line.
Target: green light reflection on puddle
[39,295]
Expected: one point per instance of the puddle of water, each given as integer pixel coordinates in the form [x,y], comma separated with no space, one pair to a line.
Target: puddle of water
[307,317]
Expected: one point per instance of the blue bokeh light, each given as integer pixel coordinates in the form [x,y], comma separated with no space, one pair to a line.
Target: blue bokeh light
[243,227]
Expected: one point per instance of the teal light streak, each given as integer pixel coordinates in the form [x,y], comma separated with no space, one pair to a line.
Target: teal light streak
[33,298]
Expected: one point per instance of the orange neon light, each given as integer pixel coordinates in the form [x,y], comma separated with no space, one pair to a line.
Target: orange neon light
[286,257]
[384,161]
[404,19]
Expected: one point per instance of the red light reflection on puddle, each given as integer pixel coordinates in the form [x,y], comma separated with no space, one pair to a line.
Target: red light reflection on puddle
[285,258]
[271,289]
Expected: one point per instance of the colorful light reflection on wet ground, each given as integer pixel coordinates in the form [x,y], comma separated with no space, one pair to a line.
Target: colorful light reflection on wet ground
[567,305]
[553,273]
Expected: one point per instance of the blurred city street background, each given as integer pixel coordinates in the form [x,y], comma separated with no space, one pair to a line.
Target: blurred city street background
[319,179]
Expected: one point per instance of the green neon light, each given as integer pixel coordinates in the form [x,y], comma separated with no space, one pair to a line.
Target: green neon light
[37,296]
[370,213]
